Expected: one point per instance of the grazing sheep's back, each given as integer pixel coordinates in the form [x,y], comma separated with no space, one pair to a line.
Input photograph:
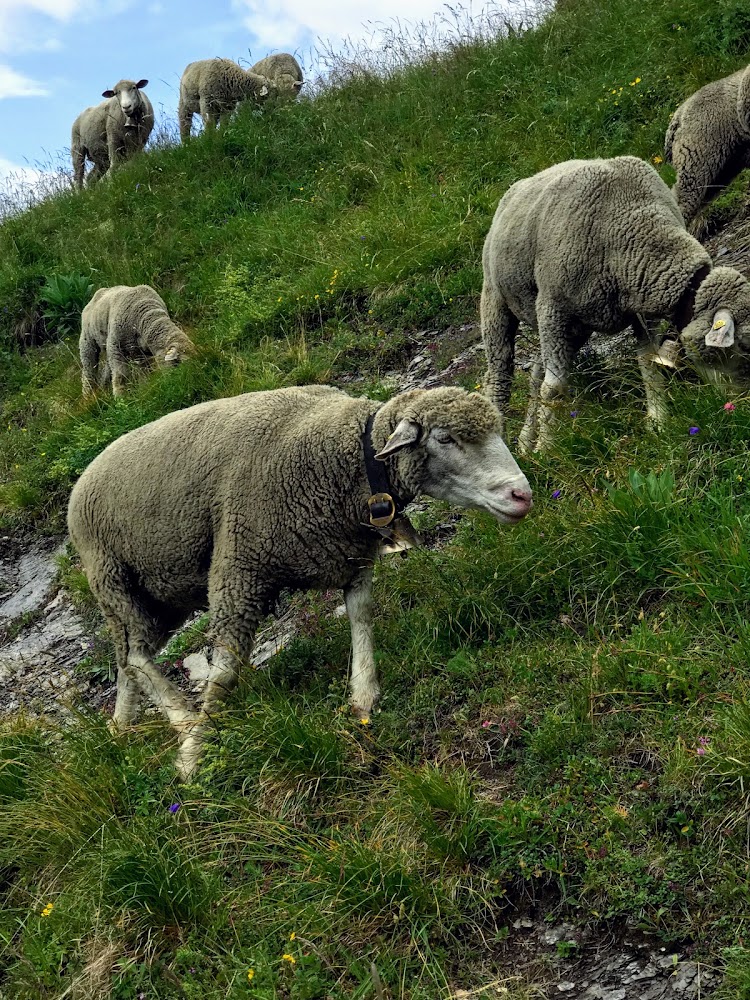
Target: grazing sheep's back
[605,236]
[708,140]
[281,68]
[158,498]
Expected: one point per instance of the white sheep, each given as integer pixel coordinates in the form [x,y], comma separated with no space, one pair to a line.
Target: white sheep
[109,133]
[213,88]
[130,324]
[708,140]
[283,70]
[227,502]
[599,245]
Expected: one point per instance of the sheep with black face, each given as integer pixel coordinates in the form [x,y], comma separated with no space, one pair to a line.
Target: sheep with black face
[226,503]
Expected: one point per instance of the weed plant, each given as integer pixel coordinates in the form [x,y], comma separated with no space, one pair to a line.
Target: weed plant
[565,721]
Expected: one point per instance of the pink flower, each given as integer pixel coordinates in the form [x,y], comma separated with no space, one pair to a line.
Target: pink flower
[729,407]
[486,724]
[701,751]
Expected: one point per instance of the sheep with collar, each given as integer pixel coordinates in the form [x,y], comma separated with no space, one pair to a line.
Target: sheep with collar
[600,245]
[708,140]
[283,70]
[213,88]
[129,323]
[226,503]
[112,132]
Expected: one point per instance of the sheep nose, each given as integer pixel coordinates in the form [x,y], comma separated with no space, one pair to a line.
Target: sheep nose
[522,499]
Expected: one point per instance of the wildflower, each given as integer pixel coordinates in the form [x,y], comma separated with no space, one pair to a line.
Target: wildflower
[701,751]
[292,936]
[730,407]
[704,741]
[279,299]
[739,479]
[657,159]
[478,385]
[574,413]
[692,431]
[557,494]
[174,807]
[289,958]
[364,722]
[250,975]
[621,811]
[48,909]
[317,296]
[486,724]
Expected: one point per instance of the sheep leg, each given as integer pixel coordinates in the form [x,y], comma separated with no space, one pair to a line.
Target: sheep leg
[499,328]
[559,343]
[79,162]
[89,350]
[527,437]
[118,366]
[128,692]
[363,681]
[185,119]
[653,378]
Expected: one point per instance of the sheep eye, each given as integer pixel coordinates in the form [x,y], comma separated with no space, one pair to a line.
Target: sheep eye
[444,438]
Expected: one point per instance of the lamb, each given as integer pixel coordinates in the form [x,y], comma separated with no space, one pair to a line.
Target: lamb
[112,132]
[213,88]
[708,140]
[229,501]
[129,323]
[283,70]
[600,245]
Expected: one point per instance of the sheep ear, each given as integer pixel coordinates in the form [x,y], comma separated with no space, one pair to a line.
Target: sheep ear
[721,333]
[297,84]
[407,433]
[141,84]
[108,93]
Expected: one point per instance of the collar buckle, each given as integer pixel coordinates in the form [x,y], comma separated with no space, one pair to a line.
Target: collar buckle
[382,509]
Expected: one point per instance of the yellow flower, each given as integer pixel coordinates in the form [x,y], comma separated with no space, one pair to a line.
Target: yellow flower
[657,159]
[292,936]
[637,79]
[279,299]
[478,385]
[364,722]
[621,811]
[48,909]
[250,975]
[289,958]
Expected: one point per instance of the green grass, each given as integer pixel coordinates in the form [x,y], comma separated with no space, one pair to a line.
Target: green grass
[565,712]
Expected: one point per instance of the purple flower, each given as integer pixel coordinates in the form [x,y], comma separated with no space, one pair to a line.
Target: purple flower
[574,413]
[693,430]
[174,807]
[701,751]
[557,494]
[704,740]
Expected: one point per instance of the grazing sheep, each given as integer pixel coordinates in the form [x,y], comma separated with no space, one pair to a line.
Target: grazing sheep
[283,70]
[227,502]
[708,140]
[129,323]
[598,245]
[111,132]
[213,88]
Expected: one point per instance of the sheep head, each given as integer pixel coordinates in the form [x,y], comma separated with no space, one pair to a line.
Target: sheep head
[446,442]
[718,336]
[129,98]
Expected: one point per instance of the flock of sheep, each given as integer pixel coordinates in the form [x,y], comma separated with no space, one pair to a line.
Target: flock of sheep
[228,502]
[112,132]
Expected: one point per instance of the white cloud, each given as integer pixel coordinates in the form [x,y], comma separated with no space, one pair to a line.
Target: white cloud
[25,24]
[17,175]
[292,22]
[14,84]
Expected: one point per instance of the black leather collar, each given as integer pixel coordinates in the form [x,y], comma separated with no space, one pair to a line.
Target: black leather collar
[384,504]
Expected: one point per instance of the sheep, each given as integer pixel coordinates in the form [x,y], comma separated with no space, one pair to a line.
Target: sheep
[598,245]
[229,501]
[213,88]
[111,132]
[283,70]
[129,323]
[708,140]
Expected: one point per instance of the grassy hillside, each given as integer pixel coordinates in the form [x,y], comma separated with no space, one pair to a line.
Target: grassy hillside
[566,713]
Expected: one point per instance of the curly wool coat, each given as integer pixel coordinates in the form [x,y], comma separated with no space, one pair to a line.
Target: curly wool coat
[213,88]
[283,70]
[708,140]
[589,245]
[106,136]
[129,323]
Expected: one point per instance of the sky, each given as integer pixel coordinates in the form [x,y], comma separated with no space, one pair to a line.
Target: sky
[57,56]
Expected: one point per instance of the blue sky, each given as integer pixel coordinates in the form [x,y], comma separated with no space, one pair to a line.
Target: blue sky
[57,56]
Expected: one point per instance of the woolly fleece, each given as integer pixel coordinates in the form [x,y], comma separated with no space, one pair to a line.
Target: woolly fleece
[283,70]
[127,322]
[230,501]
[105,136]
[708,140]
[213,88]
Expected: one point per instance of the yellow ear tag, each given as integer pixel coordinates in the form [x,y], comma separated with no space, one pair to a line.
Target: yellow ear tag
[718,324]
